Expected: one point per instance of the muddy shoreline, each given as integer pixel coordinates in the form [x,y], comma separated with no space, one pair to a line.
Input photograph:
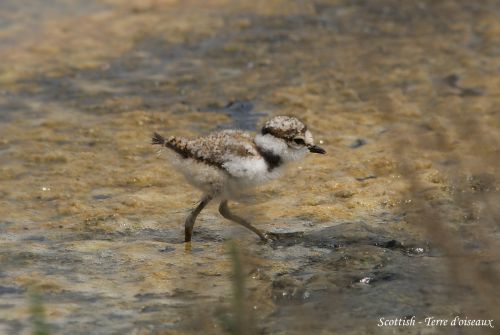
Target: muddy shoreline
[398,220]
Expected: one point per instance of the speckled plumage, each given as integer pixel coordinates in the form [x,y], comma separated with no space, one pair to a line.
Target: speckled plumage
[221,163]
[216,148]
[284,127]
[224,163]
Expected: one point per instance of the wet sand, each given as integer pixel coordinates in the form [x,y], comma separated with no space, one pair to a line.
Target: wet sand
[398,219]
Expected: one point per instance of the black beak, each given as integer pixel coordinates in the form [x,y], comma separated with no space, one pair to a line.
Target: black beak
[316,149]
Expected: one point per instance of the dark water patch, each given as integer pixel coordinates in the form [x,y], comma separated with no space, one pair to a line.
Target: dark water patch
[177,294]
[284,239]
[359,288]
[11,290]
[117,316]
[71,296]
[101,196]
[243,114]
[34,238]
[363,261]
[350,233]
[47,89]
[452,80]
[371,176]
[357,143]
[167,249]
[342,235]
[391,244]
[10,106]
[410,250]
[21,257]
[471,92]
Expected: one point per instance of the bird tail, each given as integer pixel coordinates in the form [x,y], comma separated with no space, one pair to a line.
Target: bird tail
[158,139]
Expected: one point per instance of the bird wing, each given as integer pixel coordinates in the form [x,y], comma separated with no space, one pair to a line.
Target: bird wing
[217,148]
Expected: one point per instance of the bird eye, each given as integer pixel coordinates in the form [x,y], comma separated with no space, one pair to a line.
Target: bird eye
[299,141]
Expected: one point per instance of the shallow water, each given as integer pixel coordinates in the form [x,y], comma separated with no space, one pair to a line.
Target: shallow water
[398,219]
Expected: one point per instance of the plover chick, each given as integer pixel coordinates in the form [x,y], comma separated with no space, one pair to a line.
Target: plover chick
[224,163]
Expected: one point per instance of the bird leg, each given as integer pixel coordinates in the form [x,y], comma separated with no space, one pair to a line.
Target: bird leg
[190,220]
[225,212]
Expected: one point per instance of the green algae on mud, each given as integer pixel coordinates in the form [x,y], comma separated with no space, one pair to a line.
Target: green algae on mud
[92,218]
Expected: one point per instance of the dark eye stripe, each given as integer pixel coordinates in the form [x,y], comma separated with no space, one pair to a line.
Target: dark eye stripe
[299,141]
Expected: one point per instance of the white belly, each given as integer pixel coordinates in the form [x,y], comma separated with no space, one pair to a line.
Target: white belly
[239,174]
